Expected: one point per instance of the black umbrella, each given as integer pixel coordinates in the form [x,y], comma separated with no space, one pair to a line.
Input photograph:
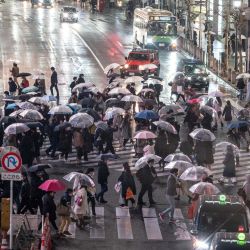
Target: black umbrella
[39,167]
[7,120]
[34,124]
[148,102]
[114,102]
[87,103]
[23,74]
[91,112]
[62,126]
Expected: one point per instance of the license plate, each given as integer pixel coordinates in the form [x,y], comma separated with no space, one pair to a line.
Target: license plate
[162,44]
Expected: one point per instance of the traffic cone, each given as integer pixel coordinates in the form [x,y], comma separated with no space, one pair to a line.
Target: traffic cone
[4,244]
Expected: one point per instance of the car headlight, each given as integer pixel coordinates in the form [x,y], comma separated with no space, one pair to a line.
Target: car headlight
[150,40]
[119,3]
[174,44]
[200,245]
[75,15]
[126,66]
[141,67]
[65,14]
[189,78]
[204,78]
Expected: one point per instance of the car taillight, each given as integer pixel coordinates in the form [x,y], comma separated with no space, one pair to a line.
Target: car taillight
[241,228]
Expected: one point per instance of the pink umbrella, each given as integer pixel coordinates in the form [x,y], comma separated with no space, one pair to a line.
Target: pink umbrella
[144,135]
[194,101]
[52,185]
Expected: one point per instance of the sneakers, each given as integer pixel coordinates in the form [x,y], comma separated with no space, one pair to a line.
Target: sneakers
[67,233]
[161,216]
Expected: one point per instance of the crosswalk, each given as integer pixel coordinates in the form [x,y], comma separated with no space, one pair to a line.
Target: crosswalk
[126,229]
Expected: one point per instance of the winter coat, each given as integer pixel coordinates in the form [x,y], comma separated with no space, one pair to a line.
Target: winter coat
[126,127]
[27,148]
[87,140]
[161,145]
[207,121]
[227,112]
[12,86]
[25,190]
[77,139]
[229,163]
[65,141]
[146,175]
[241,84]
[53,78]
[103,172]
[204,152]
[127,180]
[35,192]
[49,206]
[83,208]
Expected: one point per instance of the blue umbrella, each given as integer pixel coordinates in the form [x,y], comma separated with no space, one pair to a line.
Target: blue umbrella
[11,106]
[147,115]
[30,89]
[237,124]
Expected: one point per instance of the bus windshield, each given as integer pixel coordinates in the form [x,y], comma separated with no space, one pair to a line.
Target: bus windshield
[162,28]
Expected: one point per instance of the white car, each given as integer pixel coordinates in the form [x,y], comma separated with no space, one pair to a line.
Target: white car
[69,14]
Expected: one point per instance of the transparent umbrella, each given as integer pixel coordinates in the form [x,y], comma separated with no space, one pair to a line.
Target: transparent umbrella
[202,134]
[165,126]
[26,105]
[30,114]
[81,120]
[180,165]
[61,110]
[204,188]
[177,157]
[144,160]
[79,177]
[195,173]
[16,128]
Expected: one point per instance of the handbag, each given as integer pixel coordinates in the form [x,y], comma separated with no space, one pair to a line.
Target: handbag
[117,187]
[79,201]
[62,210]
[129,194]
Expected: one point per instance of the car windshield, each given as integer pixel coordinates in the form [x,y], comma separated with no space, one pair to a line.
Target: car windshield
[68,9]
[209,221]
[138,56]
[195,69]
[162,28]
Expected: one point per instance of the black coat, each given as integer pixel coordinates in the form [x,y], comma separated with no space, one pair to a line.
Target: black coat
[204,152]
[35,192]
[127,180]
[103,172]
[227,112]
[25,190]
[27,148]
[53,78]
[49,207]
[146,175]
[229,163]
[161,144]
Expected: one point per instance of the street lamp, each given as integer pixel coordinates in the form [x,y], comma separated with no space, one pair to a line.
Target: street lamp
[237,5]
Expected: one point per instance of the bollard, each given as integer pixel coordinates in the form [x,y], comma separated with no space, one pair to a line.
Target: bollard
[229,72]
[233,77]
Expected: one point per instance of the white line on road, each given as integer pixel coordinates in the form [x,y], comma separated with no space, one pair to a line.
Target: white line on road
[124,228]
[97,227]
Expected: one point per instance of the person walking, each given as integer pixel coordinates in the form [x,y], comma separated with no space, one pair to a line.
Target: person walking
[146,177]
[80,79]
[63,210]
[241,88]
[248,91]
[15,71]
[73,83]
[54,82]
[78,143]
[109,138]
[103,174]
[12,87]
[126,129]
[65,142]
[161,145]
[172,184]
[128,188]
[228,112]
[91,190]
[231,161]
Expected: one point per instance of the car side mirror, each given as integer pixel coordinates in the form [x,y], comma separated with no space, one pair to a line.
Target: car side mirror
[126,58]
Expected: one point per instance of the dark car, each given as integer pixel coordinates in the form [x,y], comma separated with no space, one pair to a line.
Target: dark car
[42,3]
[230,241]
[195,73]
[217,213]
[68,14]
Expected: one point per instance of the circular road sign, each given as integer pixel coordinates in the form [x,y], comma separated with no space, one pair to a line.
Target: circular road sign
[11,162]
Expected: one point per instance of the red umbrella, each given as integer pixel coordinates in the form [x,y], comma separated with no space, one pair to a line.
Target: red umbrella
[52,185]
[194,101]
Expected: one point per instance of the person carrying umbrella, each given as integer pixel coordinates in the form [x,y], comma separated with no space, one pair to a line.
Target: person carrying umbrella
[73,98]
[15,71]
[172,183]
[65,142]
[191,117]
[241,87]
[77,140]
[146,177]
[109,138]
[161,145]
[53,137]
[12,87]
[228,112]
[91,190]
[126,129]
[54,82]
[80,79]
[73,83]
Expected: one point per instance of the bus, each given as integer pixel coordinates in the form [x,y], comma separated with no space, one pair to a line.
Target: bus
[155,27]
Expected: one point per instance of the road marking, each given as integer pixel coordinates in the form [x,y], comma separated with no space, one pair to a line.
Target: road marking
[181,227]
[151,224]
[97,226]
[90,50]
[123,222]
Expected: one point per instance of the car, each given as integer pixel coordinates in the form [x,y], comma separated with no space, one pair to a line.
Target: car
[138,59]
[230,241]
[195,73]
[217,213]
[69,14]
[42,3]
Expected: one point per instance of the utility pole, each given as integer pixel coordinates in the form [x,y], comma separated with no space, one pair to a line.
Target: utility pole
[227,20]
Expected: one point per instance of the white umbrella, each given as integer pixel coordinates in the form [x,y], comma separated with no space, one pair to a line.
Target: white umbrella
[148,66]
[131,98]
[177,157]
[38,100]
[79,177]
[111,66]
[175,108]
[16,128]
[49,98]
[26,105]
[119,91]
[209,110]
[81,120]
[61,110]
[16,113]
[165,126]
[111,112]
[80,86]
[142,162]
[38,75]
[243,75]
[223,146]
[153,81]
[202,134]
[216,94]
[132,79]
[102,125]
[195,173]
[30,114]
[204,188]
[180,165]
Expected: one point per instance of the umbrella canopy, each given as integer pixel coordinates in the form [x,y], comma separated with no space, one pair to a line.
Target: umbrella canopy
[165,126]
[94,90]
[107,156]
[177,157]
[132,79]
[80,86]
[16,128]
[30,114]
[11,106]
[7,120]
[101,125]
[81,178]
[114,102]
[111,66]
[209,110]
[202,134]
[147,102]
[34,125]
[223,146]
[144,135]
[111,112]
[119,91]
[149,66]
[237,124]
[16,113]
[146,90]
[39,100]
[39,167]
[52,185]
[216,94]
[26,105]
[147,115]
[171,109]
[49,98]
[91,112]
[142,162]
[24,74]
[204,188]
[81,120]
[131,98]
[194,101]
[180,165]
[153,81]
[62,126]
[30,89]
[61,110]
[75,107]
[243,75]
[195,173]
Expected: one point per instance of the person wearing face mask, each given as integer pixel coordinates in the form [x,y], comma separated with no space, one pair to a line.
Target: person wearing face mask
[146,176]
[91,191]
